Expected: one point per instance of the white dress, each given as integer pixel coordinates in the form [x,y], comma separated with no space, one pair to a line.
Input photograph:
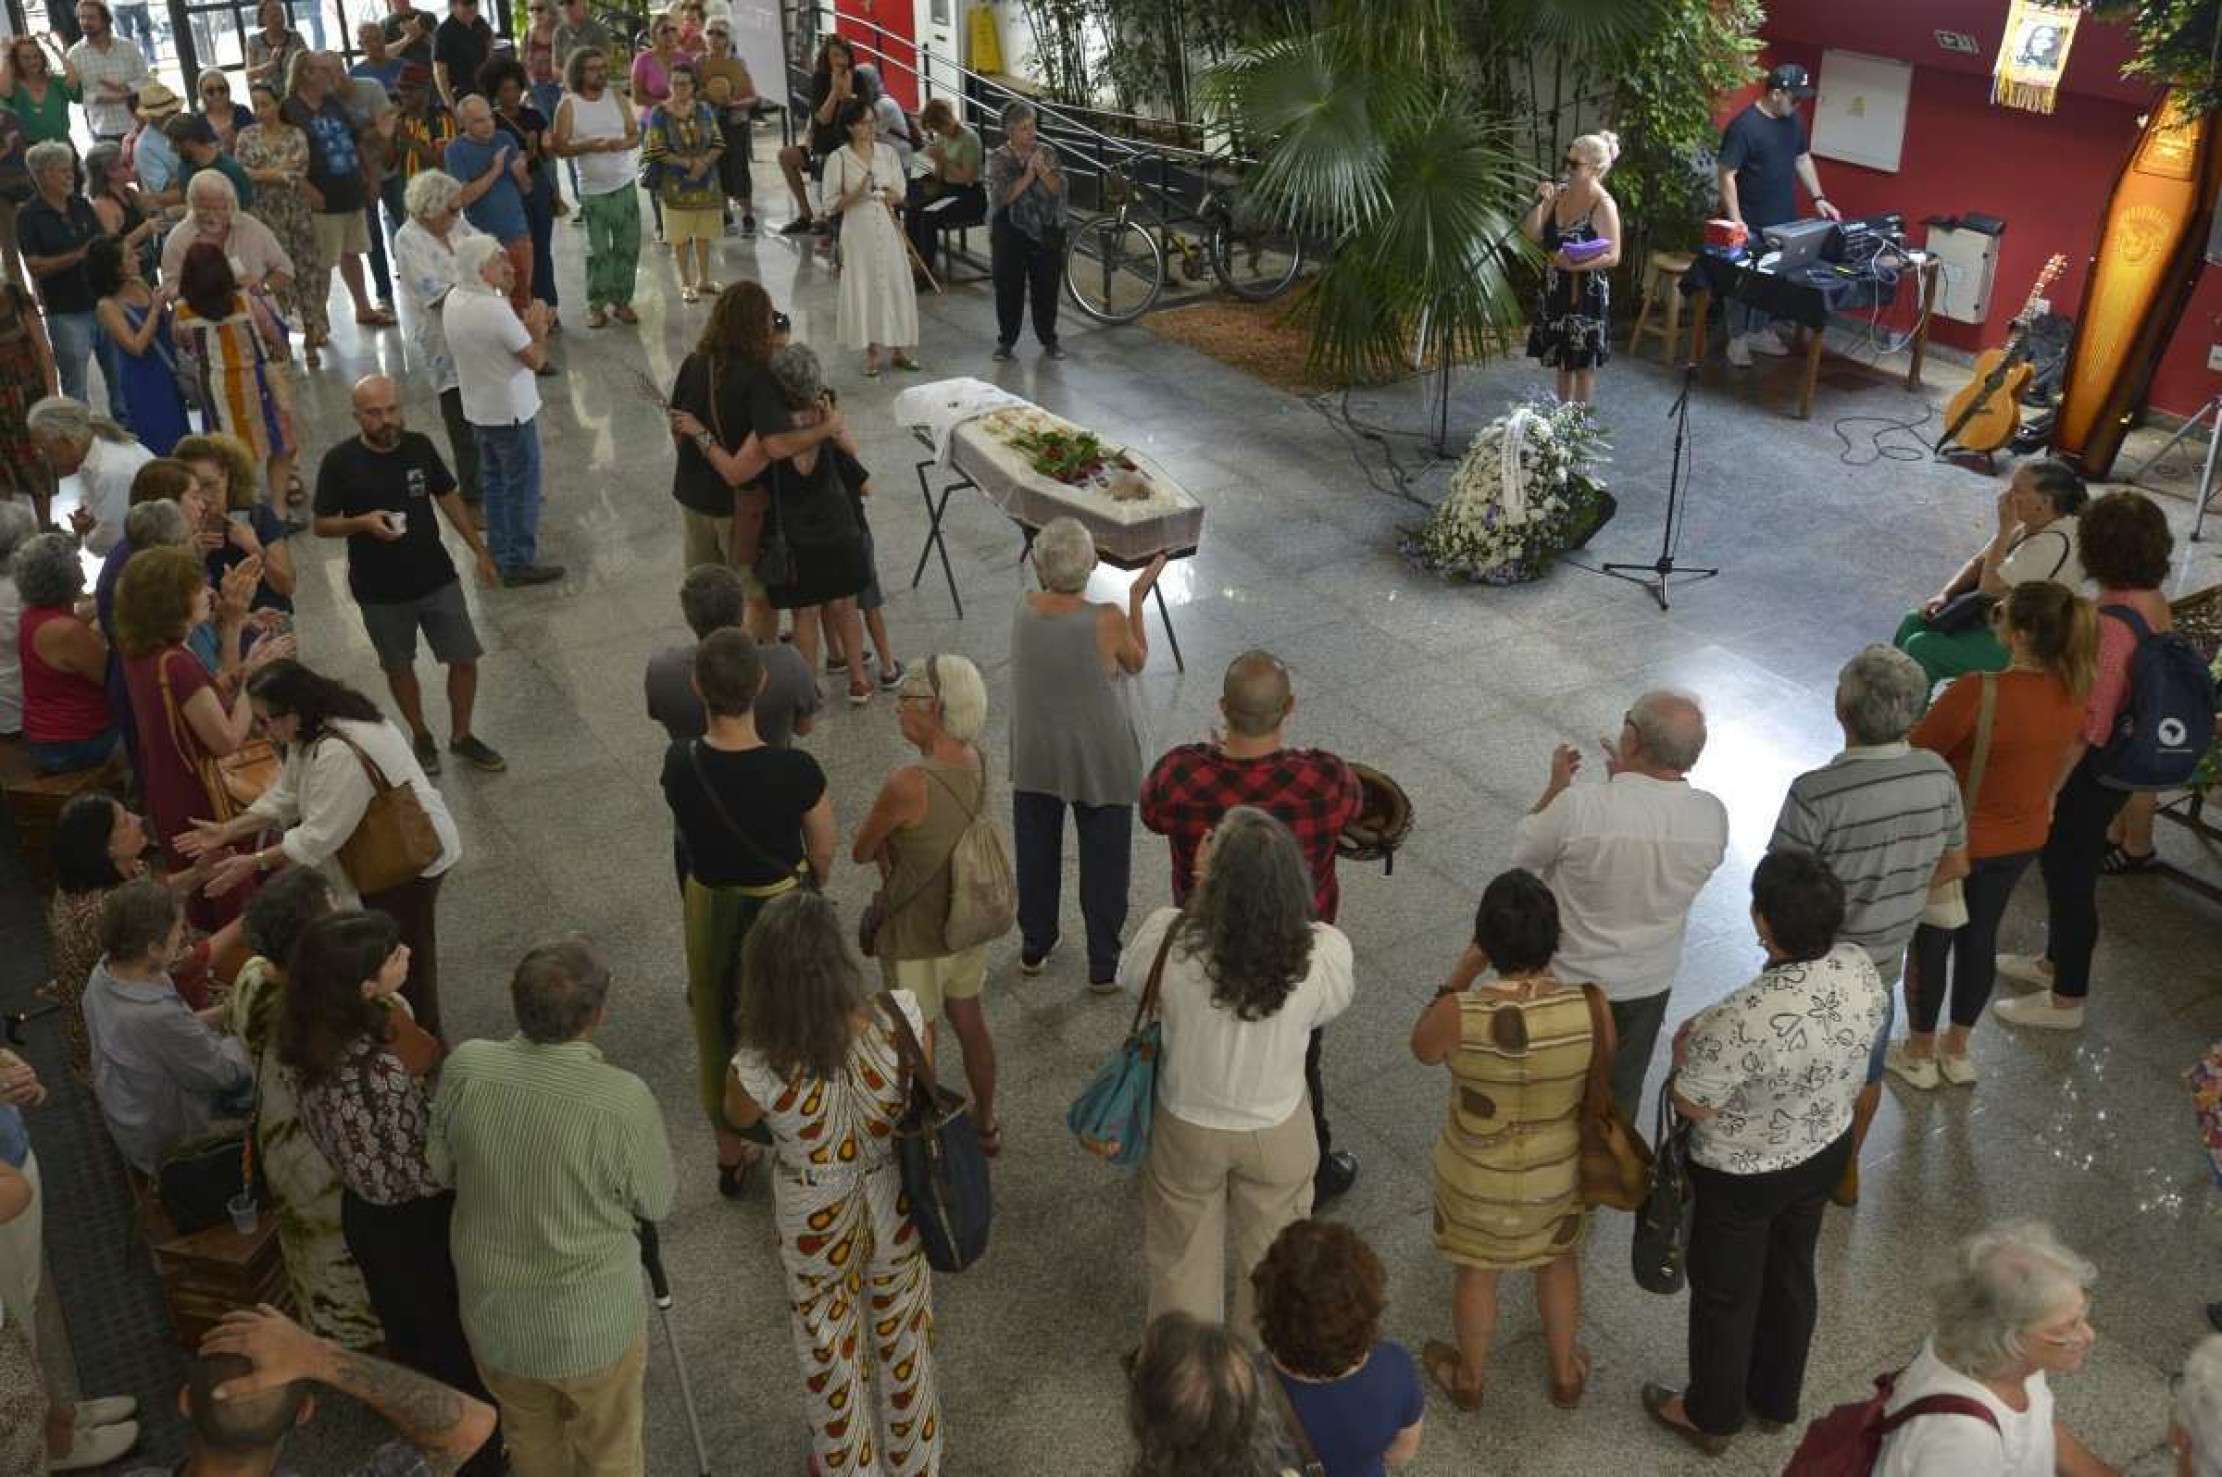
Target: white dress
[878,303]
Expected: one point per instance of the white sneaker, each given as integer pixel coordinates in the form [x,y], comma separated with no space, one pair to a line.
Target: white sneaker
[107,1410]
[1917,1071]
[1958,1070]
[1766,342]
[1739,351]
[96,1446]
[2040,1012]
[2029,971]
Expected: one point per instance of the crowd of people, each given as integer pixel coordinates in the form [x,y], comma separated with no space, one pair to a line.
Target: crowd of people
[228,965]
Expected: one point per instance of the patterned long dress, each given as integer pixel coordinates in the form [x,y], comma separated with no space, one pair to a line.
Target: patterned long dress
[285,210]
[235,374]
[22,381]
[857,1280]
[327,1286]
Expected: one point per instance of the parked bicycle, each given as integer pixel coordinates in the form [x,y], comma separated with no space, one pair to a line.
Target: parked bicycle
[1116,269]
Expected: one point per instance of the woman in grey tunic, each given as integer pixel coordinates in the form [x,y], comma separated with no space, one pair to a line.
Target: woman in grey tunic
[1075,740]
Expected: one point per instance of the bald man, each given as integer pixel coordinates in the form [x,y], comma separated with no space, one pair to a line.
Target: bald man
[1625,859]
[377,490]
[1310,790]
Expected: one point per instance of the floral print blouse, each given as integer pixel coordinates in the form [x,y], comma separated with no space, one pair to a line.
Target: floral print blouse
[369,1118]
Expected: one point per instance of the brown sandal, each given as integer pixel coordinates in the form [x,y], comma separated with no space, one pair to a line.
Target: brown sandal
[1568,1396]
[1441,1362]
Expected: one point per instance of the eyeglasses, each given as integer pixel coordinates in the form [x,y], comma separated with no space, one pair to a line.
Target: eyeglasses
[2079,1332]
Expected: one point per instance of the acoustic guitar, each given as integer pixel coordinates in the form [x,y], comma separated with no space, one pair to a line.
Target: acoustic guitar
[1986,414]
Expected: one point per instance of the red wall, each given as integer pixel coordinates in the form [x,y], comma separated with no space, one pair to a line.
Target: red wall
[2046,176]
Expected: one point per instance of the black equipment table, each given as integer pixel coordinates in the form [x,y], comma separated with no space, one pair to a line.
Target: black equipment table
[1806,296]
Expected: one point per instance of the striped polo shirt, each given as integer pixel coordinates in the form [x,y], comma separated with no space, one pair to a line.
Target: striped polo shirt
[1879,817]
[553,1154]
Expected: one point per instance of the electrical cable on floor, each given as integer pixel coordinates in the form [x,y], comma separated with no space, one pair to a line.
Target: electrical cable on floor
[1880,448]
[1392,477]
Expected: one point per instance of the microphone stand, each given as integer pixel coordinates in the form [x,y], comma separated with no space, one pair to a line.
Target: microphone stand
[1659,575]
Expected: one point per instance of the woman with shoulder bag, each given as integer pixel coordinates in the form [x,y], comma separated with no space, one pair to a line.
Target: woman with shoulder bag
[1508,1161]
[817,1064]
[2007,735]
[1246,977]
[340,754]
[187,721]
[1767,1077]
[922,812]
[758,823]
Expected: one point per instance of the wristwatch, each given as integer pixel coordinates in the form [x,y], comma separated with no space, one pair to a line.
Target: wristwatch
[705,442]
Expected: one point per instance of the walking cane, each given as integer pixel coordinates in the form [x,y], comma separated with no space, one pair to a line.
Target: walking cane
[651,1258]
[915,259]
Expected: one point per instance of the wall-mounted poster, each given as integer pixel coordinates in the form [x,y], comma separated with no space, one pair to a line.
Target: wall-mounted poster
[2032,54]
[1859,115]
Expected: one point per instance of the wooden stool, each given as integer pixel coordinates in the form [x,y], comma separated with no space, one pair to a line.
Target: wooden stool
[35,802]
[206,1274]
[1663,277]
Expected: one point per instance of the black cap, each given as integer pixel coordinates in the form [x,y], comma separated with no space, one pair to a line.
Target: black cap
[1791,78]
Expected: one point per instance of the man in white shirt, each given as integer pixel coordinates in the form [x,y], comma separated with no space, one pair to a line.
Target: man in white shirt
[1625,860]
[99,453]
[109,70]
[497,362]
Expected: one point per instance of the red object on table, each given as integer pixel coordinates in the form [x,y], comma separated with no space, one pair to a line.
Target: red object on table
[1725,234]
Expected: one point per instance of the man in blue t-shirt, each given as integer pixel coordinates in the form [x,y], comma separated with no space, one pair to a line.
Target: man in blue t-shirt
[1763,159]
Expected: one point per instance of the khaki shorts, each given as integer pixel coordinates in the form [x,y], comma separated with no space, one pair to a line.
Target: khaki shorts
[705,539]
[938,981]
[340,233]
[693,225]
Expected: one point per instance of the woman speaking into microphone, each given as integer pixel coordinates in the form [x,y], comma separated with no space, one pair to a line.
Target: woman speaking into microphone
[1577,223]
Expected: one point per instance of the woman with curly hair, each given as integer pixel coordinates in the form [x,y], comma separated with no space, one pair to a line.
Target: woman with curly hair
[185,722]
[1321,1292]
[1507,1181]
[818,1065]
[1193,1405]
[1245,977]
[227,479]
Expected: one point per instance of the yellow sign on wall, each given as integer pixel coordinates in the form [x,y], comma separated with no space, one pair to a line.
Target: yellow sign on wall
[986,42]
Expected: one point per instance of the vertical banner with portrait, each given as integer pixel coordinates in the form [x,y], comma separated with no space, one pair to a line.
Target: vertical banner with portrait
[2033,54]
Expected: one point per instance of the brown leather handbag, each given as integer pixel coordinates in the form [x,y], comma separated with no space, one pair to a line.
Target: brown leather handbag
[1615,1161]
[394,841]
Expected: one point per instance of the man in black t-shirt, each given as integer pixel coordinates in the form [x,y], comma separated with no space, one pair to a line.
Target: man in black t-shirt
[409,31]
[377,491]
[1763,159]
[459,48]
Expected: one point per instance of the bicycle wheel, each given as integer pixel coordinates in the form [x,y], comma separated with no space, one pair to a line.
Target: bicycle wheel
[1115,269]
[1254,260]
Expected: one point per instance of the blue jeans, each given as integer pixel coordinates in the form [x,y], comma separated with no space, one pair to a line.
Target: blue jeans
[509,475]
[74,337]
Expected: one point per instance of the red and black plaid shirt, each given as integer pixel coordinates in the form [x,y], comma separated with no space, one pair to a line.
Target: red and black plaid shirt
[1311,791]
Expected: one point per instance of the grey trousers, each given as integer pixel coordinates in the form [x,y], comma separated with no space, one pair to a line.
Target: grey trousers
[1636,1023]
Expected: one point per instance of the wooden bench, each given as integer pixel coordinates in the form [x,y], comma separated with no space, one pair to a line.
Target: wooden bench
[35,802]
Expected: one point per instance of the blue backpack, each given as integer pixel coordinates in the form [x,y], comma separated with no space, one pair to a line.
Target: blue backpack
[2168,721]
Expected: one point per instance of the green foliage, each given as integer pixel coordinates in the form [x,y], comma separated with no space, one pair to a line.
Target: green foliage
[1666,83]
[1138,55]
[2179,43]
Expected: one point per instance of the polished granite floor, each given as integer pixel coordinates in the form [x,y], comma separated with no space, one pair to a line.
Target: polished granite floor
[1458,692]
